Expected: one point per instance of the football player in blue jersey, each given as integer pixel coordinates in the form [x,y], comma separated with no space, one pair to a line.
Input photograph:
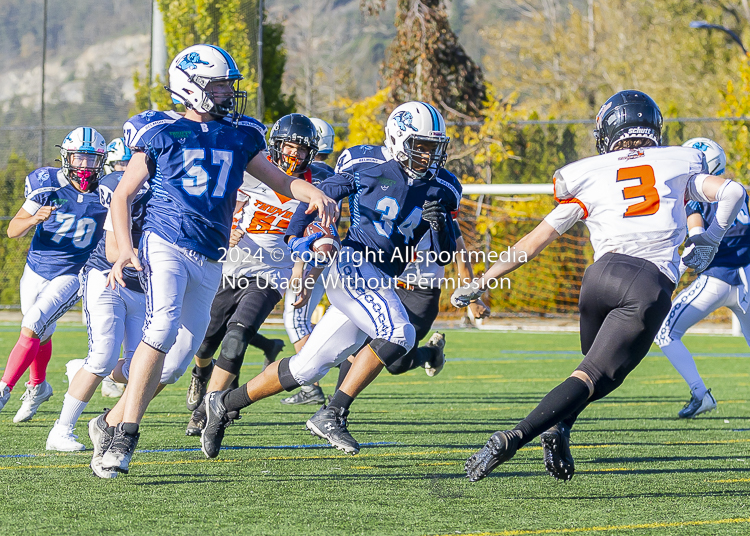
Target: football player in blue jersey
[397,193]
[254,280]
[195,162]
[723,284]
[63,205]
[114,318]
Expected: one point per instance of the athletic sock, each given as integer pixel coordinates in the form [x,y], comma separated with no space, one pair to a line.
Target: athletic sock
[236,399]
[38,368]
[204,373]
[262,343]
[130,428]
[20,359]
[682,360]
[71,410]
[558,404]
[340,400]
[423,354]
[343,371]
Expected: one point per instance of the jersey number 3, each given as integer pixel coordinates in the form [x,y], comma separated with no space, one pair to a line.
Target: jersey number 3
[646,190]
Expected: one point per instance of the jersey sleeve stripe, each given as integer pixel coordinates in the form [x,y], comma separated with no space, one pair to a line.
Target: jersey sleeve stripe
[146,128]
[452,189]
[571,200]
[354,161]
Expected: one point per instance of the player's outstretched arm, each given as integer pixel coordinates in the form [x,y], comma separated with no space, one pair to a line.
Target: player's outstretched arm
[729,197]
[466,273]
[527,248]
[299,189]
[136,174]
[22,222]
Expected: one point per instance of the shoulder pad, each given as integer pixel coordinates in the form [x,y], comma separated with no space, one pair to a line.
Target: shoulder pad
[320,172]
[139,129]
[359,155]
[449,180]
[41,181]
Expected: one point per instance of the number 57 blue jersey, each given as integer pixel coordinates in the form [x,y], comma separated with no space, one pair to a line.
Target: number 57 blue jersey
[199,168]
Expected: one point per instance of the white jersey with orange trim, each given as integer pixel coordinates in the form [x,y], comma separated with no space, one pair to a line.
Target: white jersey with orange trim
[632,201]
[262,251]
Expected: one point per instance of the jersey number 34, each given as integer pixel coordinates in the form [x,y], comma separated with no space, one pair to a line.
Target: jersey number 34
[644,189]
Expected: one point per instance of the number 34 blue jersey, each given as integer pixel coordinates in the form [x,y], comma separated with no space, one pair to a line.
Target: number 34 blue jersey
[199,168]
[62,244]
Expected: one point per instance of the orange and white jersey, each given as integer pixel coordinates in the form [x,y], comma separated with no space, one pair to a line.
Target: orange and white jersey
[261,251]
[632,201]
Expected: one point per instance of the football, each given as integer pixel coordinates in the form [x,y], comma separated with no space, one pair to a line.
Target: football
[328,245]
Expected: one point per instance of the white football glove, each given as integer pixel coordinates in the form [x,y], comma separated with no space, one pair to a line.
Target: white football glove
[463,296]
[699,251]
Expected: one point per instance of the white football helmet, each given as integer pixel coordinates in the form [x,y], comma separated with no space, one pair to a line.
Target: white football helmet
[194,68]
[326,135]
[715,156]
[415,136]
[82,153]
[117,153]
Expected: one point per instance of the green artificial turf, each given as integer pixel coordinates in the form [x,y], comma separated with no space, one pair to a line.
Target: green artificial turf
[640,470]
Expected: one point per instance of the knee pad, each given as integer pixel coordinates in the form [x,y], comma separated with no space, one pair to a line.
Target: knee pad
[233,348]
[286,379]
[388,352]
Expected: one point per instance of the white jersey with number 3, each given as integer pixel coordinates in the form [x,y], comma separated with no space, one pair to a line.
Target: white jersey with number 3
[632,201]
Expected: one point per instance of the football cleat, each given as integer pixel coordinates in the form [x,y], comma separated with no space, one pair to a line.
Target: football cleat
[4,396]
[101,439]
[500,448]
[270,357]
[120,451]
[196,391]
[111,388]
[216,423]
[197,422]
[62,438]
[556,446]
[434,366]
[695,406]
[311,394]
[330,424]
[32,399]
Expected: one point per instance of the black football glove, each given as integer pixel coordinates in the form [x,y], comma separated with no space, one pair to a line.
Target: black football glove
[433,212]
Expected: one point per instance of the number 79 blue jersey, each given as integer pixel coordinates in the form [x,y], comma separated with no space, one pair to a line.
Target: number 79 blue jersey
[62,244]
[199,168]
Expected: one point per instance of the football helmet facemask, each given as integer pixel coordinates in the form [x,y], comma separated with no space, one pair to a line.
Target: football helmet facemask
[715,156]
[627,115]
[415,136]
[293,128]
[82,153]
[205,78]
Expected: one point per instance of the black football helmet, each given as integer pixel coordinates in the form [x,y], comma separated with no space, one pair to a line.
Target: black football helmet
[627,114]
[294,128]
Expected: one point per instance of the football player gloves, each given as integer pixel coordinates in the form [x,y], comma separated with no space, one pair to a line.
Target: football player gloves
[300,247]
[463,296]
[434,213]
[700,250]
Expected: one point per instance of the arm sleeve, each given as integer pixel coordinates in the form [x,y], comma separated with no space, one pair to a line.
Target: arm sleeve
[564,216]
[444,241]
[729,201]
[337,187]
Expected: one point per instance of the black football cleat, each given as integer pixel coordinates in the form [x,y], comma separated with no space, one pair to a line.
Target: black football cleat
[196,390]
[216,424]
[557,458]
[330,424]
[197,422]
[501,447]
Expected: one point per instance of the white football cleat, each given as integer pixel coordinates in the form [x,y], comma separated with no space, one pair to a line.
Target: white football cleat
[32,399]
[62,438]
[435,365]
[111,388]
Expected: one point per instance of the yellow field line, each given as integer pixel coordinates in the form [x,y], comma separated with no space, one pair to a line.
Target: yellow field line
[80,465]
[729,481]
[610,528]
